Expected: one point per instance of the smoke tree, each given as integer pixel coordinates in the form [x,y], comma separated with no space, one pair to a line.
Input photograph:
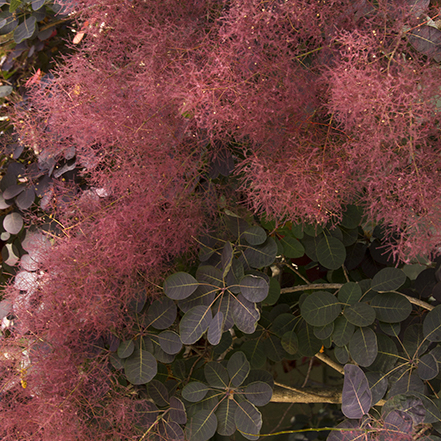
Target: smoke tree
[216,186]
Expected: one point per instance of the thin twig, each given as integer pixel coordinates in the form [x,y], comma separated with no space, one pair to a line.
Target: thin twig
[311,286]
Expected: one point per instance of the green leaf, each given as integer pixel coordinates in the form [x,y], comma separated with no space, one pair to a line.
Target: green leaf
[225,413]
[388,279]
[255,353]
[14,5]
[320,308]
[432,324]
[343,331]
[274,349]
[351,217]
[273,293]
[292,248]
[195,391]
[180,285]
[202,426]
[309,344]
[363,346]
[238,368]
[290,342]
[427,367]
[255,235]
[216,375]
[194,323]
[254,288]
[387,355]
[360,314]
[25,30]
[391,307]
[140,367]
[349,293]
[331,253]
[248,420]
[324,332]
[263,255]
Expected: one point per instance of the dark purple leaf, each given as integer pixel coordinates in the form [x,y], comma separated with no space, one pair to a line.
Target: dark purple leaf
[140,367]
[245,314]
[204,295]
[177,411]
[170,342]
[162,313]
[427,40]
[216,375]
[225,413]
[356,396]
[194,323]
[259,393]
[214,333]
[238,368]
[254,288]
[432,324]
[255,235]
[171,431]
[180,285]
[226,259]
[427,367]
[195,391]
[158,393]
[202,426]
[13,191]
[248,420]
[398,421]
[126,349]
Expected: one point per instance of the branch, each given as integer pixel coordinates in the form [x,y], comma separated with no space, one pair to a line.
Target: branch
[287,394]
[413,300]
[330,362]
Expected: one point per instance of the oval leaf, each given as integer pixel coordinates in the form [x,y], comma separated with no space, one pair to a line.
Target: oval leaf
[162,313]
[259,393]
[391,307]
[225,414]
[180,285]
[292,248]
[195,391]
[194,323]
[13,223]
[255,235]
[360,314]
[216,375]
[202,426]
[238,368]
[320,308]
[427,367]
[363,346]
[432,324]
[214,333]
[388,279]
[356,396]
[126,348]
[331,253]
[254,288]
[140,367]
[248,420]
[261,255]
[170,342]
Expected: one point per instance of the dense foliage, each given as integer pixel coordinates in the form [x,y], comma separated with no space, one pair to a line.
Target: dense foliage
[216,186]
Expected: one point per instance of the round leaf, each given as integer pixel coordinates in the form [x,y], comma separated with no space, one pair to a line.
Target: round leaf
[202,426]
[255,235]
[356,395]
[162,313]
[391,307]
[225,413]
[238,368]
[194,323]
[388,279]
[180,285]
[170,342]
[290,342]
[216,375]
[349,293]
[13,223]
[259,393]
[126,349]
[360,314]
[254,288]
[432,324]
[331,253]
[427,367]
[259,256]
[195,391]
[363,346]
[320,308]
[158,393]
[140,367]
[248,420]
[292,248]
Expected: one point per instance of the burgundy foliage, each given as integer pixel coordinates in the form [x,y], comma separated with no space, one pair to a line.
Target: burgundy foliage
[323,103]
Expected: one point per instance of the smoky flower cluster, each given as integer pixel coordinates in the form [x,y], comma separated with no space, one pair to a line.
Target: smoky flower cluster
[322,103]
